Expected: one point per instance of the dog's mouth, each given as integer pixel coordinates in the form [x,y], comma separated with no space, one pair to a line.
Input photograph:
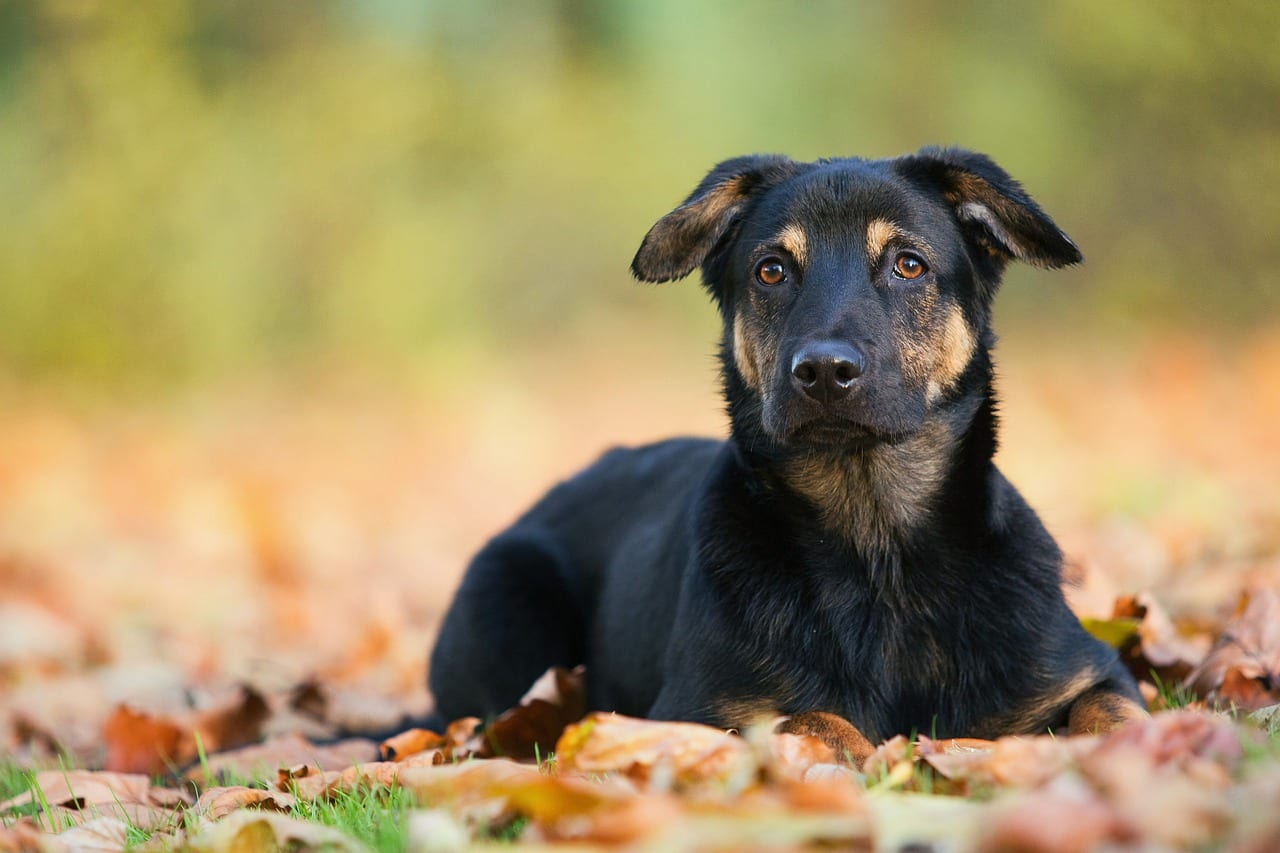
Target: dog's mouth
[830,431]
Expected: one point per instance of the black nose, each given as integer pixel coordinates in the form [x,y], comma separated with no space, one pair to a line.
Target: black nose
[826,370]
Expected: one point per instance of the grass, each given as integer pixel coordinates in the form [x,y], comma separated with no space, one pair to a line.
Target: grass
[1171,695]
[374,815]
[378,816]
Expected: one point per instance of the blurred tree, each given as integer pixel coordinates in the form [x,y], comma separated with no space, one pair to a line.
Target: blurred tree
[199,188]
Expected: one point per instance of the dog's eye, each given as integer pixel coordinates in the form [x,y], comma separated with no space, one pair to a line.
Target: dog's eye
[770,271]
[908,266]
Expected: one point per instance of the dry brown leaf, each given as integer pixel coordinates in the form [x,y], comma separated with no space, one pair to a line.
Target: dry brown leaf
[555,700]
[140,742]
[1010,762]
[654,752]
[309,699]
[461,730]
[82,788]
[1201,747]
[889,755]
[478,790]
[1158,646]
[1243,667]
[250,831]
[262,761]
[827,793]
[369,775]
[791,756]
[217,803]
[104,833]
[408,742]
[235,722]
[1177,806]
[23,836]
[306,783]
[1064,818]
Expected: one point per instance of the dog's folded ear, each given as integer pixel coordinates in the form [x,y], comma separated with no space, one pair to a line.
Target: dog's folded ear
[684,238]
[991,205]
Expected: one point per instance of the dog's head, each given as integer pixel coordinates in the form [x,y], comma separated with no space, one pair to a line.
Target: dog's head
[856,294]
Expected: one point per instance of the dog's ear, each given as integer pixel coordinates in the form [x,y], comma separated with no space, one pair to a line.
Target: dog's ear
[992,205]
[685,237]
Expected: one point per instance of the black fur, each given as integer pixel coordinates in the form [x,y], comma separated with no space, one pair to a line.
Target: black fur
[859,556]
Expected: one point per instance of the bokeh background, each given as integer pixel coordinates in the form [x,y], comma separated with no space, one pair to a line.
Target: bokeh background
[299,303]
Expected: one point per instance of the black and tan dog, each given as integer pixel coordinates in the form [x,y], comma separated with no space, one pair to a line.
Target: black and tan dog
[850,553]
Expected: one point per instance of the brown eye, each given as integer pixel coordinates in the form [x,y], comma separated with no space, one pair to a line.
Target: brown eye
[770,271]
[908,266]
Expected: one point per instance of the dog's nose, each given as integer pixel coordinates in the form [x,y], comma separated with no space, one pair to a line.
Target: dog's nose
[826,370]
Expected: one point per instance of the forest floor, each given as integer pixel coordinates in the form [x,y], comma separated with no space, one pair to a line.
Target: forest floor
[197,591]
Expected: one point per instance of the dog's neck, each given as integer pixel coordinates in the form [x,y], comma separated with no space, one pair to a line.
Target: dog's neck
[876,498]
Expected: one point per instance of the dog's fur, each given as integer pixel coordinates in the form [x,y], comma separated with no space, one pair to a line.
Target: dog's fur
[858,556]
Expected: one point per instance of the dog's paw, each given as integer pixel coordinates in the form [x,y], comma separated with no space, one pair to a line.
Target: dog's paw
[1101,710]
[835,731]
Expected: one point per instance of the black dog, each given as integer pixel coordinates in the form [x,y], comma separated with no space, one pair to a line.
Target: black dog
[850,553]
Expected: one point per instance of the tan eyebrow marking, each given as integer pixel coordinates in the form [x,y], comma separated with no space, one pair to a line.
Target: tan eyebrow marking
[792,239]
[879,233]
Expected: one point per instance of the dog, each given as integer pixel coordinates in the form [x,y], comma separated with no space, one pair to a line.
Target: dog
[850,557]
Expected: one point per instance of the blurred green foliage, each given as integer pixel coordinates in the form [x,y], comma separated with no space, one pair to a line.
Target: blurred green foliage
[197,189]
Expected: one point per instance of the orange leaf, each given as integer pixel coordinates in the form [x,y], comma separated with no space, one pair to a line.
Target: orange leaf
[645,749]
[138,742]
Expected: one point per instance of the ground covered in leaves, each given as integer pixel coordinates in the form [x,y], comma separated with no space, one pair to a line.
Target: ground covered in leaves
[205,602]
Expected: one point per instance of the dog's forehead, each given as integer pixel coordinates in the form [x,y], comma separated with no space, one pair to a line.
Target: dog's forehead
[837,199]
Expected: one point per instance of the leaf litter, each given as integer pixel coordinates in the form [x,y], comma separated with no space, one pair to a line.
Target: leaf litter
[232,752]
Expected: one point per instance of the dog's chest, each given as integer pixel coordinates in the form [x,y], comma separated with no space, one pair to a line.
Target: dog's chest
[892,657]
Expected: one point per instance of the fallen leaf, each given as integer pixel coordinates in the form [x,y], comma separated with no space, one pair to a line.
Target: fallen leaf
[309,698]
[104,833]
[435,831]
[23,836]
[1066,817]
[791,756]
[408,742]
[888,755]
[478,790]
[261,762]
[657,753]
[1176,736]
[1156,646]
[83,788]
[217,803]
[236,722]
[1113,632]
[1174,805]
[1268,718]
[306,783]
[555,700]
[1243,667]
[140,742]
[249,831]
